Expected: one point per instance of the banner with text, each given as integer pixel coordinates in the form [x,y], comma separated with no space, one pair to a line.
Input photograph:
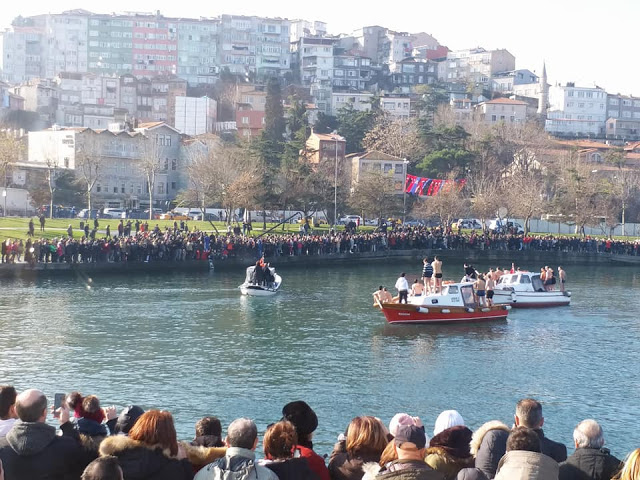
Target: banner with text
[430,186]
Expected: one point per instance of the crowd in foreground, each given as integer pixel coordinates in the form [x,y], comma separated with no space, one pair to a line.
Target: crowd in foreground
[141,243]
[96,443]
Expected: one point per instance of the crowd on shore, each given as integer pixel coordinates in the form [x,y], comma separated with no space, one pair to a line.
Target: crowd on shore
[97,443]
[178,243]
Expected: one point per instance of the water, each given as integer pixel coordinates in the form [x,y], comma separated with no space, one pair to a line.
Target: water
[191,344]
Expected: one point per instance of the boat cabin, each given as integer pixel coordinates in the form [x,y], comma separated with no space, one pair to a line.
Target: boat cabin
[521,281]
[453,295]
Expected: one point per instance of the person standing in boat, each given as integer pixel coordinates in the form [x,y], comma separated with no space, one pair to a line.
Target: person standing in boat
[427,273]
[480,287]
[562,276]
[491,284]
[403,288]
[416,288]
[437,273]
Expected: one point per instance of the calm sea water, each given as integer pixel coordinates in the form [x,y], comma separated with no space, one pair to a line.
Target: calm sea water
[191,344]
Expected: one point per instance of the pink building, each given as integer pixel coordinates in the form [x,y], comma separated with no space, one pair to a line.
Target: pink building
[155,46]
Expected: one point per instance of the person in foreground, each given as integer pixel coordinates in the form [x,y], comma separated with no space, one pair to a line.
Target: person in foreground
[239,461]
[523,460]
[631,469]
[103,468]
[590,461]
[279,441]
[529,414]
[32,450]
[409,443]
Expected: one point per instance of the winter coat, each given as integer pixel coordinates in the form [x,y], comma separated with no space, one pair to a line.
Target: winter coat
[316,462]
[590,464]
[148,462]
[344,466]
[32,450]
[408,470]
[442,461]
[524,465]
[239,463]
[488,445]
[555,450]
[292,469]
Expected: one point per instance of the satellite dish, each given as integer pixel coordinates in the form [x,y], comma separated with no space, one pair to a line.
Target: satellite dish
[502,212]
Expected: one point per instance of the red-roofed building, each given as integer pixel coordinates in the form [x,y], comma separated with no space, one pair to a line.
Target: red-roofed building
[326,147]
[502,110]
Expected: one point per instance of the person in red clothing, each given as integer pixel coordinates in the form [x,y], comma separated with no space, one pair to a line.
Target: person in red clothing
[306,421]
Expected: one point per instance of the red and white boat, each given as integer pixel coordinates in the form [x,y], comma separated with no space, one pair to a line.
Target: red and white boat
[456,304]
[525,290]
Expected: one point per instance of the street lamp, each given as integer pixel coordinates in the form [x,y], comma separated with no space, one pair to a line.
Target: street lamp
[405,162]
[4,194]
[334,137]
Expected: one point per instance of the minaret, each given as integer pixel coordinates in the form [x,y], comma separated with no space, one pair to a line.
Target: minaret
[543,97]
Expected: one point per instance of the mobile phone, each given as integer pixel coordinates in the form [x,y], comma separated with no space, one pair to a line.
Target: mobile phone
[57,403]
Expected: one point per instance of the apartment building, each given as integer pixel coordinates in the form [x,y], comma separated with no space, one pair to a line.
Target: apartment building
[477,65]
[198,50]
[377,162]
[351,72]
[326,147]
[195,116]
[505,82]
[360,101]
[576,111]
[503,110]
[411,72]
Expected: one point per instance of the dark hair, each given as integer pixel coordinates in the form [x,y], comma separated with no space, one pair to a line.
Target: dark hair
[33,411]
[91,404]
[8,396]
[279,440]
[523,438]
[73,400]
[103,468]
[156,427]
[208,426]
[402,274]
[529,412]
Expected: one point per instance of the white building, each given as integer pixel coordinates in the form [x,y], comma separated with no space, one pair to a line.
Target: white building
[576,111]
[398,106]
[502,110]
[476,65]
[304,28]
[377,162]
[195,116]
[359,101]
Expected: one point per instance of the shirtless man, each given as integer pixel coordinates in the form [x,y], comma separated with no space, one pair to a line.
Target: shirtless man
[385,296]
[498,273]
[377,296]
[437,273]
[417,288]
[491,284]
[562,276]
[480,287]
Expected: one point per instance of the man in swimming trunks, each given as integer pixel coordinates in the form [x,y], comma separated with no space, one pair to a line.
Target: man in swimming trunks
[480,287]
[491,283]
[377,296]
[385,296]
[562,275]
[437,273]
[417,288]
[427,273]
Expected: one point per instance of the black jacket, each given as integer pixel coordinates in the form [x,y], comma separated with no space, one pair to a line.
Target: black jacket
[492,448]
[590,464]
[32,451]
[143,462]
[555,450]
[292,469]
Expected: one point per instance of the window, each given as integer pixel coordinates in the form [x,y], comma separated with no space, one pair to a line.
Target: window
[174,164]
[122,188]
[613,101]
[98,188]
[173,185]
[166,164]
[494,118]
[115,189]
[161,188]
[387,167]
[399,168]
[245,120]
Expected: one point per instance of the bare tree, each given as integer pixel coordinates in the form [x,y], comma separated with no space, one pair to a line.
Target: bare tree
[89,161]
[10,150]
[151,163]
[394,136]
[447,204]
[525,195]
[375,195]
[621,187]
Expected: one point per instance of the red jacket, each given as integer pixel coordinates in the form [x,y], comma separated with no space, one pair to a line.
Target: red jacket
[316,462]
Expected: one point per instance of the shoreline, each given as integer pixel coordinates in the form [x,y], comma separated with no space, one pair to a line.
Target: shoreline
[499,257]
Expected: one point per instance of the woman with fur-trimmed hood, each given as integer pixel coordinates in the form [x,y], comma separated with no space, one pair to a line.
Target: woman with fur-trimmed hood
[488,445]
[449,451]
[151,451]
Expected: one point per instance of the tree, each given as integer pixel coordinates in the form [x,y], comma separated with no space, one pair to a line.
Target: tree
[447,204]
[151,164]
[394,136]
[375,195]
[325,123]
[353,125]
[448,151]
[524,193]
[89,161]
[620,188]
[11,149]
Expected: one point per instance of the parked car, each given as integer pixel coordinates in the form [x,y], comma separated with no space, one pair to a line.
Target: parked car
[372,222]
[86,213]
[503,226]
[174,216]
[113,213]
[471,223]
[357,219]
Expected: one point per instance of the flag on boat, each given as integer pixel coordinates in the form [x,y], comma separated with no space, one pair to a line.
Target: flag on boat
[429,187]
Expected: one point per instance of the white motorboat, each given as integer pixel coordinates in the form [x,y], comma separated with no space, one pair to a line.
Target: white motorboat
[265,288]
[525,290]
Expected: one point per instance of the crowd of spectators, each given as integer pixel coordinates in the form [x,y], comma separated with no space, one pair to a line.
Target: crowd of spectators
[96,443]
[181,244]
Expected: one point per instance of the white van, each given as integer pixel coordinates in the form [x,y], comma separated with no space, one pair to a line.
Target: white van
[114,213]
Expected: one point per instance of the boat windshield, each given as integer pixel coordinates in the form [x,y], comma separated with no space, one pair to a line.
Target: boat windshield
[536,282]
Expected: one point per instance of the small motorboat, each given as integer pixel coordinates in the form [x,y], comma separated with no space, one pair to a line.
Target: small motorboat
[457,303]
[525,290]
[261,288]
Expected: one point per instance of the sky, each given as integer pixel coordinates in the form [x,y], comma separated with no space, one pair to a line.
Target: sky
[582,41]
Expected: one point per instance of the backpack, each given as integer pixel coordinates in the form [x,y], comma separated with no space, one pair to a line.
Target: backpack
[219,471]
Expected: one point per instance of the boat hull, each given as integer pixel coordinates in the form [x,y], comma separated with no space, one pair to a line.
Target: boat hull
[252,290]
[532,299]
[412,314]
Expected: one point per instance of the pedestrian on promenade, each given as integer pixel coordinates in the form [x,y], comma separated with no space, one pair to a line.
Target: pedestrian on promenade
[42,220]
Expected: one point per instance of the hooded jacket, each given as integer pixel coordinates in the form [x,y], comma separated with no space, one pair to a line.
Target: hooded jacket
[524,465]
[590,464]
[488,445]
[32,450]
[344,466]
[449,451]
[292,469]
[238,461]
[151,462]
[408,470]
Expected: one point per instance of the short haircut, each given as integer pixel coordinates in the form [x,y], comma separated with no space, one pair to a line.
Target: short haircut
[523,438]
[588,434]
[208,426]
[32,411]
[529,412]
[366,435]
[103,468]
[91,404]
[279,440]
[8,396]
[73,400]
[156,427]
[242,433]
